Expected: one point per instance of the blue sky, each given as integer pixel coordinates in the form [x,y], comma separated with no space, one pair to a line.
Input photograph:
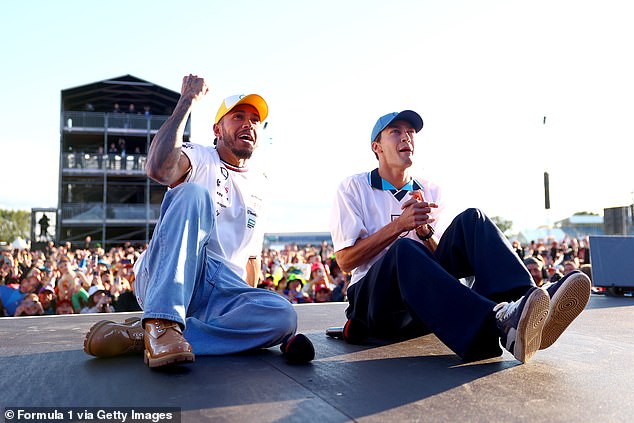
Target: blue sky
[482,74]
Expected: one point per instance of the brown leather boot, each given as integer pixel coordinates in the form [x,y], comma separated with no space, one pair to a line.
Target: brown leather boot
[165,344]
[109,339]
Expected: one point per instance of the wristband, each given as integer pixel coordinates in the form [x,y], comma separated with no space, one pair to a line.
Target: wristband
[428,236]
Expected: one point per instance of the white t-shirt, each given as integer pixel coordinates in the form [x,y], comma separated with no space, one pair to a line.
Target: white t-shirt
[238,195]
[360,211]
[238,203]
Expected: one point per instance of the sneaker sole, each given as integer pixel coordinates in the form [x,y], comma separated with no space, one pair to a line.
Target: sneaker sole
[95,327]
[531,324]
[567,303]
[177,358]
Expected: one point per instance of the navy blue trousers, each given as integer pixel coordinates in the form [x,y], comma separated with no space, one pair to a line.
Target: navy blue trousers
[411,291]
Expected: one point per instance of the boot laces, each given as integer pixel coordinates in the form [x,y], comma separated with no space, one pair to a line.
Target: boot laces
[505,310]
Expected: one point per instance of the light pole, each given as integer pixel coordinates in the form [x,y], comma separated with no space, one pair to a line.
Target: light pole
[546,189]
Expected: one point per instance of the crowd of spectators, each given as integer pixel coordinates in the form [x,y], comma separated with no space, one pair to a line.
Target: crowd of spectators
[550,261]
[307,274]
[131,109]
[66,279]
[117,156]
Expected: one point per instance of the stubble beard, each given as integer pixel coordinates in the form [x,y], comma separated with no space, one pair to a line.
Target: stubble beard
[243,154]
[231,141]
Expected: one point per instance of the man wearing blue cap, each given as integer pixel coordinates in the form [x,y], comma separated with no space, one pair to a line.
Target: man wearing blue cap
[191,281]
[406,279]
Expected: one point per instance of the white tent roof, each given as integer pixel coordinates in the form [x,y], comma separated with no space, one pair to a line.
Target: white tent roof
[543,234]
[19,243]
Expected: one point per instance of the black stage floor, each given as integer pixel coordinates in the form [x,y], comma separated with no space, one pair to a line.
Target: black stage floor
[587,376]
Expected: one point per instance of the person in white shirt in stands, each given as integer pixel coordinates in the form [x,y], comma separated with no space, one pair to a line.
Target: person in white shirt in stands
[195,281]
[406,279]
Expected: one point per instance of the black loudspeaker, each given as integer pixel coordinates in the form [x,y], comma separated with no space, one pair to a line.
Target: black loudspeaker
[615,220]
[612,264]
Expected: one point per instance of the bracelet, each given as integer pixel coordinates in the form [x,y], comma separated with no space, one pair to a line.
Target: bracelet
[428,236]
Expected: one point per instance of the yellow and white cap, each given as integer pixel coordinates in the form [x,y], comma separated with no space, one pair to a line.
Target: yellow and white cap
[252,99]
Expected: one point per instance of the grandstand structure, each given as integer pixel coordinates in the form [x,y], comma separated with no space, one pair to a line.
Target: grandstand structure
[106,128]
[278,240]
[615,221]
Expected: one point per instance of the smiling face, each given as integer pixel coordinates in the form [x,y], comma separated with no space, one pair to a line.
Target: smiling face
[30,303]
[395,147]
[29,284]
[46,298]
[237,134]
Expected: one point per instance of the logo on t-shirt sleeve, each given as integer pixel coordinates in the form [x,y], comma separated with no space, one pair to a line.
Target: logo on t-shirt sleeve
[251,217]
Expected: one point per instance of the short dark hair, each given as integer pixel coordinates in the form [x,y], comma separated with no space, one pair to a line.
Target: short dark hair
[533,260]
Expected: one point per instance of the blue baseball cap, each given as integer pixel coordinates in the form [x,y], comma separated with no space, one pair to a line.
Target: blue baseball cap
[105,263]
[408,115]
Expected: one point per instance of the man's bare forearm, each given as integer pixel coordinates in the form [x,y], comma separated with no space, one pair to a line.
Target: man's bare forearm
[366,248]
[165,151]
[416,213]
[166,164]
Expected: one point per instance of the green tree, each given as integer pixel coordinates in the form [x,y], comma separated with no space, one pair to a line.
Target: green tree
[13,224]
[504,225]
[585,213]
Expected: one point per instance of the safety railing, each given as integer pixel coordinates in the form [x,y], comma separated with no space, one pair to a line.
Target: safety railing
[99,121]
[80,160]
[91,212]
